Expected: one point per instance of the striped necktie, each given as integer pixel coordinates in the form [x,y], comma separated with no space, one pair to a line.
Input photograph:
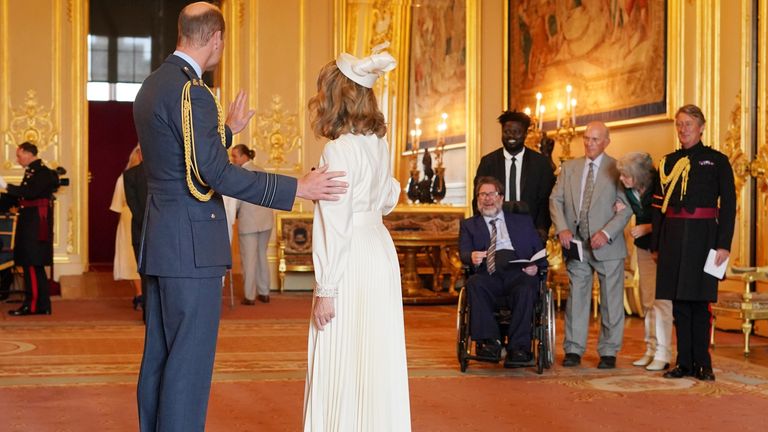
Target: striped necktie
[586,200]
[491,256]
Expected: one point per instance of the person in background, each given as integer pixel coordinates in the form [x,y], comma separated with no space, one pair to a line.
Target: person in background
[124,265]
[582,208]
[34,229]
[695,214]
[135,185]
[254,227]
[639,177]
[527,175]
[515,238]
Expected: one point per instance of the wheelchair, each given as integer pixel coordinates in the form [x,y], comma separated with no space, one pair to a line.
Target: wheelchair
[542,342]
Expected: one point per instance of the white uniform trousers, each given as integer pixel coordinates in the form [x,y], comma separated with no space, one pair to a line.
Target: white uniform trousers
[253,255]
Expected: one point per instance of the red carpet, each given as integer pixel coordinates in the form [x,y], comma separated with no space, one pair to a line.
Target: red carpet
[76,371]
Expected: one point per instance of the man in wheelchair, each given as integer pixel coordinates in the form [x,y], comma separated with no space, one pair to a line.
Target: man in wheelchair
[488,242]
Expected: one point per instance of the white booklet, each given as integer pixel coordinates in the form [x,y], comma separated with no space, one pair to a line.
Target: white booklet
[537,256]
[715,270]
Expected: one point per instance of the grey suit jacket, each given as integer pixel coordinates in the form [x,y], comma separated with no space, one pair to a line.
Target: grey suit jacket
[564,204]
[252,218]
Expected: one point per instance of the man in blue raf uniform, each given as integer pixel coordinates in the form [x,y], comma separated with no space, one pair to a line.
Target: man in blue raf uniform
[694,212]
[185,248]
[33,249]
[487,242]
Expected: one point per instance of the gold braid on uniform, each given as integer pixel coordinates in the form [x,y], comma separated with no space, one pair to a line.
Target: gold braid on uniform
[187,127]
[668,182]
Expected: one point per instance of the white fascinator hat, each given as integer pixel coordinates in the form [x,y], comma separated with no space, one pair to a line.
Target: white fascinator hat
[366,70]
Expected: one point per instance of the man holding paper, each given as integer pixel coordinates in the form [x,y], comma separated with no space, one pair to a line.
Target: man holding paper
[506,253]
[582,209]
[689,226]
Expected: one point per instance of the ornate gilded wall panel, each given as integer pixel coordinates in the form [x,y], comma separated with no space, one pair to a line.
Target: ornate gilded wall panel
[42,89]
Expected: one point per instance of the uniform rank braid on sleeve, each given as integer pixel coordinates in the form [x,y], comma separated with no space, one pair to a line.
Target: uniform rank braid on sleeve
[270,189]
[187,126]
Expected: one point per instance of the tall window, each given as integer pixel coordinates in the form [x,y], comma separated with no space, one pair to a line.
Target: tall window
[117,66]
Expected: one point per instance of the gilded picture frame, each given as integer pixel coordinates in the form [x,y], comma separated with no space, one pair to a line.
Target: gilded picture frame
[615,55]
[437,71]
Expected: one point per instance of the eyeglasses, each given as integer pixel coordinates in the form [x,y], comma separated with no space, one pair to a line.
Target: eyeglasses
[487,194]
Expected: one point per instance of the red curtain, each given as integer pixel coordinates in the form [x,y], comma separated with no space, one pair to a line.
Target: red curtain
[112,136]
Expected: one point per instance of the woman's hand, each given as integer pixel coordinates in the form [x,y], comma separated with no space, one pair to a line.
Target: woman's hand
[638,231]
[324,311]
[618,206]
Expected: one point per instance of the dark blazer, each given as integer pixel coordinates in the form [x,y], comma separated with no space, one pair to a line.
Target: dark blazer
[474,235]
[135,185]
[33,244]
[536,182]
[184,237]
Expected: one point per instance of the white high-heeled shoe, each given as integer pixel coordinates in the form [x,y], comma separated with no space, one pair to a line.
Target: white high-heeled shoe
[657,365]
[644,361]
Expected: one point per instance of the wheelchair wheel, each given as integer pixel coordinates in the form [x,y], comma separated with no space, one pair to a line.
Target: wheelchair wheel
[549,305]
[463,340]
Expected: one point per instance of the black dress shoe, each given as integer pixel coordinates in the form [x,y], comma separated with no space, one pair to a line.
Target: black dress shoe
[705,374]
[25,310]
[678,372]
[248,302]
[517,358]
[607,362]
[571,360]
[263,298]
[490,349]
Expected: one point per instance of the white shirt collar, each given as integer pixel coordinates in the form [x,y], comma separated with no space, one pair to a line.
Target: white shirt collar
[499,216]
[184,56]
[518,156]
[598,160]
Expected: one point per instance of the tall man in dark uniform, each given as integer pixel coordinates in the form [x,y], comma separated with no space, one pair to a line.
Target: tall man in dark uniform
[185,247]
[526,175]
[687,224]
[33,249]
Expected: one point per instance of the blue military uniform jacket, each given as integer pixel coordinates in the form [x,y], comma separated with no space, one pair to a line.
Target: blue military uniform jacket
[182,236]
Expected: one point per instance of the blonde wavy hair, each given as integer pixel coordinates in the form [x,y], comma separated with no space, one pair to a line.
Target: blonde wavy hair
[343,106]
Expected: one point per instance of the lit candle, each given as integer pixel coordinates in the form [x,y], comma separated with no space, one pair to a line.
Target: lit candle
[538,103]
[541,116]
[568,90]
[559,113]
[573,112]
[417,134]
[527,111]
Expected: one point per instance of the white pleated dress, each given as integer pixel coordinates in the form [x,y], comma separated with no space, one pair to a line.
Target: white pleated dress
[357,376]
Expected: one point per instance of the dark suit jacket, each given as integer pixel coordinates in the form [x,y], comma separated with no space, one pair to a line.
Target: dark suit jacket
[536,182]
[135,185]
[184,237]
[474,235]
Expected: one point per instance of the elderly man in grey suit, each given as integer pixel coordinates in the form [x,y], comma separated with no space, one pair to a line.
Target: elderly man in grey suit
[582,208]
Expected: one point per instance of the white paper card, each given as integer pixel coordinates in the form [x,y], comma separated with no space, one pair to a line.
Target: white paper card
[710,267]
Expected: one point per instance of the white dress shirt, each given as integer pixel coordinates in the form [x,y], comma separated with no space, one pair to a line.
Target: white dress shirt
[502,236]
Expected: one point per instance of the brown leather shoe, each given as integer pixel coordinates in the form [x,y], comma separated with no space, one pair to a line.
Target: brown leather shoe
[248,302]
[263,298]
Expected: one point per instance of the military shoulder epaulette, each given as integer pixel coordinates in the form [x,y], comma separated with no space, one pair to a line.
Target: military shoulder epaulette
[192,76]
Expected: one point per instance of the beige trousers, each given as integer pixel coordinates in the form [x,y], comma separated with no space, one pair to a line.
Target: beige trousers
[658,313]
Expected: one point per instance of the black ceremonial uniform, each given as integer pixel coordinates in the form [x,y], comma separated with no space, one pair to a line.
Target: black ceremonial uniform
[33,247]
[687,223]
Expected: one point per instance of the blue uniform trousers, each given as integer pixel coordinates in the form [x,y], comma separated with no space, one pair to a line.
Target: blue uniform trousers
[181,330]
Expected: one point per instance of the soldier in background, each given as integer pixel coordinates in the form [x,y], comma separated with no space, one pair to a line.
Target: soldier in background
[33,248]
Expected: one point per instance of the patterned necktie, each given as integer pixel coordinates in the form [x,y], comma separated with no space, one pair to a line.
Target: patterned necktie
[513,181]
[589,187]
[491,256]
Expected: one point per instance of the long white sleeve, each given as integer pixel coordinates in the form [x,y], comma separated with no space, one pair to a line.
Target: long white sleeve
[332,227]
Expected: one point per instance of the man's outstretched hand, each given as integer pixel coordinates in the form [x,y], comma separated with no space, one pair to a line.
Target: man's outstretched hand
[319,184]
[238,116]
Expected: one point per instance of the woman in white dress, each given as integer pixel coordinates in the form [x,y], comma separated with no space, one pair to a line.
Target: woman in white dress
[125,267]
[357,376]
